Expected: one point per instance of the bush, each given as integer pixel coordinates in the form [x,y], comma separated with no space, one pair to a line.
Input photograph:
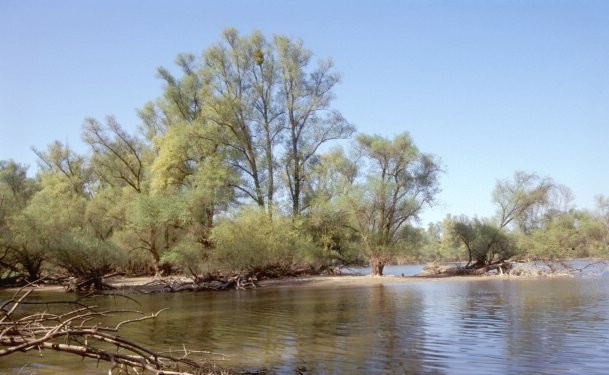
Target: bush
[188,257]
[253,240]
[87,257]
[484,241]
[335,243]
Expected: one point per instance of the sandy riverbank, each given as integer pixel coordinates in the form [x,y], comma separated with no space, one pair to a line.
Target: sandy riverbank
[133,283]
[360,280]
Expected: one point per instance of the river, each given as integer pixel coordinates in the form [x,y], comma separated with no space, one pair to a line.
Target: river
[464,326]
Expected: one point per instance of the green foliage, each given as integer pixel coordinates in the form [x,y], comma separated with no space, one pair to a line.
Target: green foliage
[326,213]
[572,234]
[154,224]
[253,240]
[484,241]
[85,256]
[332,176]
[16,189]
[56,208]
[247,123]
[62,164]
[327,223]
[399,182]
[188,256]
[440,245]
[106,210]
[118,157]
[526,200]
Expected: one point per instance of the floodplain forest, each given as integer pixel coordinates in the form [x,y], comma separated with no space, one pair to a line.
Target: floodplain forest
[243,165]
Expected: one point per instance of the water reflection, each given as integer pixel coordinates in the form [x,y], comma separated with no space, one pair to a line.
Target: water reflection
[554,326]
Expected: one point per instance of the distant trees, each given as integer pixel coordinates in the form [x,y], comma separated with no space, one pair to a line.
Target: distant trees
[524,204]
[485,242]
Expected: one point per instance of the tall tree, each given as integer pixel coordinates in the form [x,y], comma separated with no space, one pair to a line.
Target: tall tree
[307,96]
[268,104]
[399,181]
[242,80]
[525,200]
[55,209]
[326,215]
[188,169]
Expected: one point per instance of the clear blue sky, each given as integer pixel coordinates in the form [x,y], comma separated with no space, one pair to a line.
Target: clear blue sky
[490,87]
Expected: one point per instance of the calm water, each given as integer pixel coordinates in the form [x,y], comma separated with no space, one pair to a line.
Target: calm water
[547,326]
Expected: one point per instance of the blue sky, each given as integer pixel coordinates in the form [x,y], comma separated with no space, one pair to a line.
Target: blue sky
[490,87]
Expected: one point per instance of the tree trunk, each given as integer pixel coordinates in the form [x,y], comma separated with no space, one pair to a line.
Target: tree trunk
[156,260]
[376,267]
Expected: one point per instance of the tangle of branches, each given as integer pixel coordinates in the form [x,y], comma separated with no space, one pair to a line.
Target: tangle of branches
[79,330]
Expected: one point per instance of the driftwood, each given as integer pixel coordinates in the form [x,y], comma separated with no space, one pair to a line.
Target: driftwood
[502,267]
[194,282]
[79,332]
[210,282]
[535,268]
[174,285]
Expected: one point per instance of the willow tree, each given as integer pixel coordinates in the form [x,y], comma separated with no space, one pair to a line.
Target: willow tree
[264,103]
[399,182]
[524,204]
[58,208]
[307,94]
[189,169]
[242,76]
[527,200]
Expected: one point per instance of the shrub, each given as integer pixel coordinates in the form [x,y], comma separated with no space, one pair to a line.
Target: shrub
[86,257]
[253,240]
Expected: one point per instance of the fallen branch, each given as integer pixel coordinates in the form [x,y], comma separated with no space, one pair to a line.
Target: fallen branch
[79,332]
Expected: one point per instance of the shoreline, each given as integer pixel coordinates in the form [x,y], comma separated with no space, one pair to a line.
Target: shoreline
[131,284]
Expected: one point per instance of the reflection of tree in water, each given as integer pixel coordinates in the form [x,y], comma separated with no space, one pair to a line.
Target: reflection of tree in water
[395,342]
[461,327]
[466,327]
[368,330]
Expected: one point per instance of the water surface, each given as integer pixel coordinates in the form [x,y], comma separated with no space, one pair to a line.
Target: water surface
[464,326]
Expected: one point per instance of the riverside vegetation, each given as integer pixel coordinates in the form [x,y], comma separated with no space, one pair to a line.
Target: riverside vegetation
[237,173]
[243,168]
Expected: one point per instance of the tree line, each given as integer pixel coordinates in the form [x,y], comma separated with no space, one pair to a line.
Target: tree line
[238,167]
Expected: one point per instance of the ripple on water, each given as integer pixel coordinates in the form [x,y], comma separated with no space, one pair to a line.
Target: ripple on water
[553,326]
